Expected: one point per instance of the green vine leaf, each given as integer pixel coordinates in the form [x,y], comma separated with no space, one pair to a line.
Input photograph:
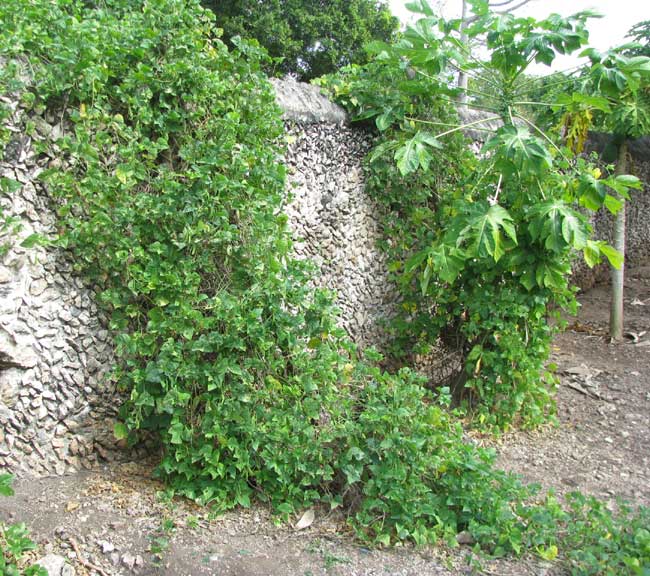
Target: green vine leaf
[447,261]
[120,431]
[384,121]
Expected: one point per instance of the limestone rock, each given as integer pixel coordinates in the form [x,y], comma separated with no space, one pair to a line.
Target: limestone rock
[305,103]
[56,565]
[13,355]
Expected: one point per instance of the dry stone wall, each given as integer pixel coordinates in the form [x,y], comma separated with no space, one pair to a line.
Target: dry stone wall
[58,403]
[638,210]
[336,225]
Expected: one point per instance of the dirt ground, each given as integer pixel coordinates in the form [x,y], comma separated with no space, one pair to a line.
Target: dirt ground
[118,520]
[602,446]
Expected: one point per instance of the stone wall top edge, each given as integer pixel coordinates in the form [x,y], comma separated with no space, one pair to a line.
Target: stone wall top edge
[302,102]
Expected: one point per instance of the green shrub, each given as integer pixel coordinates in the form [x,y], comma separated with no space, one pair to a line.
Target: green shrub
[172,205]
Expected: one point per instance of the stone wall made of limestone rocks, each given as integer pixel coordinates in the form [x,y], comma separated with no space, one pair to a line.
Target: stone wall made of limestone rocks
[57,403]
[334,221]
[336,225]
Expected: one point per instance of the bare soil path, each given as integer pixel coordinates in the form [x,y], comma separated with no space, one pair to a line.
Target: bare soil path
[118,520]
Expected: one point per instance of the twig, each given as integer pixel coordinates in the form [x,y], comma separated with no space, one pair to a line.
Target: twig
[493,200]
[83,562]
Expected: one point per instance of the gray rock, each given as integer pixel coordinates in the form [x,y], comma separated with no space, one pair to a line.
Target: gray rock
[37,287]
[107,547]
[10,385]
[305,103]
[465,538]
[6,275]
[128,560]
[13,354]
[56,565]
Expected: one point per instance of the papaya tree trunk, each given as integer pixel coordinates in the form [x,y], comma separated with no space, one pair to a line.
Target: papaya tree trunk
[618,240]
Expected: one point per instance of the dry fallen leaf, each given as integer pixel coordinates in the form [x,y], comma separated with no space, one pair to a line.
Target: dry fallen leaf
[72,506]
[306,520]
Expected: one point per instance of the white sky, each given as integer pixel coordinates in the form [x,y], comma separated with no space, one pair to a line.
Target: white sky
[619,17]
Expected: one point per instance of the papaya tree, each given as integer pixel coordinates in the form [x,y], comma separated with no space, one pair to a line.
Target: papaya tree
[502,7]
[493,258]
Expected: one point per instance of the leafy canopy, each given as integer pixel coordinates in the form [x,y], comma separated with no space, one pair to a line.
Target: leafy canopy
[308,38]
[622,82]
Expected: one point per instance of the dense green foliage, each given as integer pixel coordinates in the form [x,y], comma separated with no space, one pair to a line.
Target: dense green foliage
[15,542]
[600,542]
[488,243]
[621,84]
[308,37]
[171,201]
